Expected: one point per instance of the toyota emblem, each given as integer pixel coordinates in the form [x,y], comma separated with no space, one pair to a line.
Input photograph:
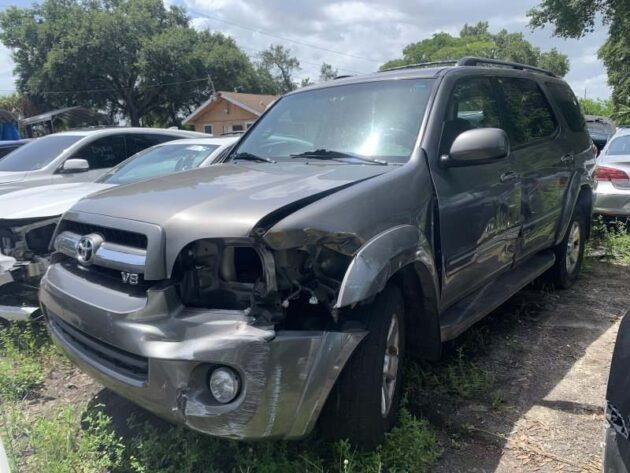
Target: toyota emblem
[87,248]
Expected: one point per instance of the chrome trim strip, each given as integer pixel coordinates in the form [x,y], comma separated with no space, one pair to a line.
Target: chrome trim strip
[108,255]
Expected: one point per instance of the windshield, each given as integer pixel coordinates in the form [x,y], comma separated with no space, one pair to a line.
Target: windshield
[38,153]
[620,145]
[374,119]
[158,161]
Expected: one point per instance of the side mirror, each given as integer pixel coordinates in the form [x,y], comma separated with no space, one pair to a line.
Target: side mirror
[478,146]
[75,165]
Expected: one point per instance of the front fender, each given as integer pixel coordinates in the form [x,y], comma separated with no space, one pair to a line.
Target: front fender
[380,258]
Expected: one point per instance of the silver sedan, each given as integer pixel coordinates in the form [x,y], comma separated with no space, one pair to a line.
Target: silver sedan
[612,176]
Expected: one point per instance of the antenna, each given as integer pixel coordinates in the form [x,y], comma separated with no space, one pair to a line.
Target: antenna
[211,84]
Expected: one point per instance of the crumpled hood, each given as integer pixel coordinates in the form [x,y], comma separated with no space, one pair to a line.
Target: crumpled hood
[8,177]
[45,201]
[225,200]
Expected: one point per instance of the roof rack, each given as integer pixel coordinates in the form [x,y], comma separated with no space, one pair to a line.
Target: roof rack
[480,61]
[420,64]
[473,61]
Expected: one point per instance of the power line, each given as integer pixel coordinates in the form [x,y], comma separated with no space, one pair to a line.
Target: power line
[308,45]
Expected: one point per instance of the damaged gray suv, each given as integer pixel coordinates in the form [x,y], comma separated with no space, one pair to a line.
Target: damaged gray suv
[358,222]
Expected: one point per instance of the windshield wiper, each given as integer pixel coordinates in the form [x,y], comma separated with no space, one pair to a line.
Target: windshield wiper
[335,155]
[245,156]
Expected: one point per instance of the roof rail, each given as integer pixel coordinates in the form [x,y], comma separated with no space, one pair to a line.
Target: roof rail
[478,61]
[421,64]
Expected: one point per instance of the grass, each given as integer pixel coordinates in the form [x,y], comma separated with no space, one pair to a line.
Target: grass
[24,351]
[611,240]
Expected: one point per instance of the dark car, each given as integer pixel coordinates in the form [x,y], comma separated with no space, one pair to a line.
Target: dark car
[7,146]
[601,130]
[356,222]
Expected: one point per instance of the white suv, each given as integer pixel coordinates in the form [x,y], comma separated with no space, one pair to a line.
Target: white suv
[77,156]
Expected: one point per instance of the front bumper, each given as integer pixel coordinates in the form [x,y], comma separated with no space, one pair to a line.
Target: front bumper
[611,200]
[286,376]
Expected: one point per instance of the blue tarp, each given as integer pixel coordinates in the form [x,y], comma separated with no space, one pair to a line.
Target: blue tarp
[8,131]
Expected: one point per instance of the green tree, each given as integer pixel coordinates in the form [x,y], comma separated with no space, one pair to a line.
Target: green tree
[476,40]
[326,72]
[281,65]
[575,19]
[134,57]
[602,108]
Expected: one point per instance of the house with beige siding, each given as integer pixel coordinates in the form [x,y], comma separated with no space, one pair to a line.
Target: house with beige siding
[228,112]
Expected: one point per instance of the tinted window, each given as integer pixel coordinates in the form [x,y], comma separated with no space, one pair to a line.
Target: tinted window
[104,152]
[472,105]
[137,143]
[379,119]
[38,153]
[568,104]
[159,161]
[528,114]
[620,145]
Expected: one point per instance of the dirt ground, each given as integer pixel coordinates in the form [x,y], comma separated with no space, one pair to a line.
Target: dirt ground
[548,354]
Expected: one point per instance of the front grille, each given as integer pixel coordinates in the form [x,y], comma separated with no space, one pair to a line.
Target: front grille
[127,364]
[111,235]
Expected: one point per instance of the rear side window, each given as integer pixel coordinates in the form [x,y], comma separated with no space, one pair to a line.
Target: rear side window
[568,105]
[139,142]
[620,145]
[528,114]
[472,105]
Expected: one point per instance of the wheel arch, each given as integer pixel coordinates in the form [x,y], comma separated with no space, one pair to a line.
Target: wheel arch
[579,196]
[403,256]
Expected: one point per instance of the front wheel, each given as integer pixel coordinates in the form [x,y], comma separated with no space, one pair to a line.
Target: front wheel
[364,403]
[570,253]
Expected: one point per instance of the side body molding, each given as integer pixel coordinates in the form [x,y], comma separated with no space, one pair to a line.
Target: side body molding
[380,258]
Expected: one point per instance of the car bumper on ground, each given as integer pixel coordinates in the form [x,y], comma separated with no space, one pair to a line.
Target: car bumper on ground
[611,200]
[150,349]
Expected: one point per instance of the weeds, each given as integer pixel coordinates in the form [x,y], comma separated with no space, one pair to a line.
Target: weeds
[24,349]
[610,240]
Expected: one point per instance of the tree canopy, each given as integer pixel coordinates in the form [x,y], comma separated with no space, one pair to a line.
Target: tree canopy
[574,19]
[278,62]
[132,57]
[476,40]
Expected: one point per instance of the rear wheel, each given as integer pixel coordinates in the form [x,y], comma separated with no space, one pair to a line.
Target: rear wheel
[364,403]
[570,253]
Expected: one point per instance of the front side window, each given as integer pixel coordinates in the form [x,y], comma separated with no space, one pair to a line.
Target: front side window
[374,119]
[103,152]
[159,161]
[38,153]
[528,114]
[472,105]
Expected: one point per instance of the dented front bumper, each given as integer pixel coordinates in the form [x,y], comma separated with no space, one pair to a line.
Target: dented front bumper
[157,353]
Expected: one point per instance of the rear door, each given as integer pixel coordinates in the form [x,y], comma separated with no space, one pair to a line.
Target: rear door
[542,160]
[479,205]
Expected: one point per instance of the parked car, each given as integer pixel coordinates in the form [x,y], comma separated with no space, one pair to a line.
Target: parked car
[355,222]
[617,423]
[11,145]
[600,129]
[28,217]
[612,177]
[77,156]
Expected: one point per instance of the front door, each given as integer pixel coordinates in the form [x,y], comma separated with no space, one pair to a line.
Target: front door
[479,205]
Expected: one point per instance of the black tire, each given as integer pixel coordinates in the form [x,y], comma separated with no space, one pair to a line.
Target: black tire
[353,410]
[565,270]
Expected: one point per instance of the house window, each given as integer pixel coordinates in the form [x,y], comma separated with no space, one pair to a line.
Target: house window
[207,128]
[238,127]
[248,125]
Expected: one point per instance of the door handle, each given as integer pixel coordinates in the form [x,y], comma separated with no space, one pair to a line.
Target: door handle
[508,176]
[567,159]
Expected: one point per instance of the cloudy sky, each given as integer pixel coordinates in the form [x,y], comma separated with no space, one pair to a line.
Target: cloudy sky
[357,36]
